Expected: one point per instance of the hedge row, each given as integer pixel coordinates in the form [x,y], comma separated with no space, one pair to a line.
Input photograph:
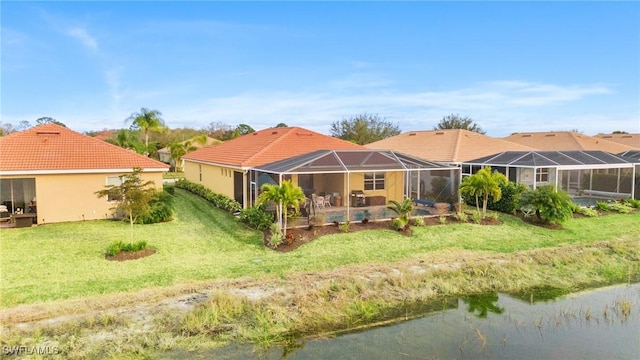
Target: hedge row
[218,200]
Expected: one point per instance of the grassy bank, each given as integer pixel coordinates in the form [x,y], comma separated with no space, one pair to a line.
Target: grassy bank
[322,303]
[65,261]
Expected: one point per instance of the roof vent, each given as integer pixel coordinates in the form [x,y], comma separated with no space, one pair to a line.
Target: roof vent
[49,132]
[627,136]
[274,132]
[526,135]
[607,137]
[304,134]
[412,134]
[550,135]
[440,133]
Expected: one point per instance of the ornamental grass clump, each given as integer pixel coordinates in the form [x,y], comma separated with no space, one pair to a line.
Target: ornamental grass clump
[120,246]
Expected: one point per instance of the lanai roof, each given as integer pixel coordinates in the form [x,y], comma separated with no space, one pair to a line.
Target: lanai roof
[339,161]
[54,148]
[552,159]
[631,155]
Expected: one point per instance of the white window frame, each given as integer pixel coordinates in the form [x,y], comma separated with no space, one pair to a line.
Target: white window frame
[115,181]
[374,180]
[542,175]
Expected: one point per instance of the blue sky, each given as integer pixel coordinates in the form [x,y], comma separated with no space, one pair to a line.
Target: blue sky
[510,66]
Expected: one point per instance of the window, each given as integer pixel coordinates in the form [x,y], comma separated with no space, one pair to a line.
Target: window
[200,171]
[374,181]
[542,175]
[115,181]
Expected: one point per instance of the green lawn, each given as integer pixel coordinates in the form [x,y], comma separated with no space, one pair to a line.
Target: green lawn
[61,261]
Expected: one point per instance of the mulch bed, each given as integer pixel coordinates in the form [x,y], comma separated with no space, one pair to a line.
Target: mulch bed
[130,255]
[300,236]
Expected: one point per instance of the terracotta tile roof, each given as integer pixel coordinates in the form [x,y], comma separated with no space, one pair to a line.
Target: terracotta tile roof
[268,145]
[632,140]
[566,140]
[451,146]
[54,147]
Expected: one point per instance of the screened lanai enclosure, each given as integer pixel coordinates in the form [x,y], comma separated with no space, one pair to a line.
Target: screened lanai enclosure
[351,185]
[587,176]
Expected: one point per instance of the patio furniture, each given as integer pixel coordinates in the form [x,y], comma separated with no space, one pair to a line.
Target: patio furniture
[23,220]
[318,201]
[376,200]
[327,200]
[424,202]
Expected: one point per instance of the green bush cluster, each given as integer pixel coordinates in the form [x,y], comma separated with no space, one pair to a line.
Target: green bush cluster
[618,207]
[552,207]
[170,189]
[509,199]
[218,200]
[633,203]
[119,246]
[257,217]
[161,209]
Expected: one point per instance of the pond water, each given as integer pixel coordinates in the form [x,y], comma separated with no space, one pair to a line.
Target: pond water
[596,324]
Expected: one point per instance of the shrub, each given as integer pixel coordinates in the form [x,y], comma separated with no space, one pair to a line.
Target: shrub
[257,217]
[477,217]
[418,221]
[398,224]
[587,211]
[344,227]
[442,219]
[633,203]
[218,200]
[171,189]
[509,199]
[161,209]
[119,246]
[461,216]
[552,207]
[276,235]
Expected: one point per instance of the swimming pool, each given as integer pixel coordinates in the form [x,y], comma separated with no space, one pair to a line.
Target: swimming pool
[585,201]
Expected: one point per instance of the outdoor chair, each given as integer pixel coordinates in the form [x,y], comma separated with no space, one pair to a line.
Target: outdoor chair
[318,201]
[327,200]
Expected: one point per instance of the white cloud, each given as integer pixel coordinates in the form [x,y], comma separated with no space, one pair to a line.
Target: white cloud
[84,37]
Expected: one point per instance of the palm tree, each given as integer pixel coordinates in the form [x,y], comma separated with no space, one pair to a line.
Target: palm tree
[147,120]
[285,195]
[483,183]
[178,150]
[402,209]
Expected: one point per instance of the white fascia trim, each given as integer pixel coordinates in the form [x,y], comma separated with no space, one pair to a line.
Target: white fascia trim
[78,171]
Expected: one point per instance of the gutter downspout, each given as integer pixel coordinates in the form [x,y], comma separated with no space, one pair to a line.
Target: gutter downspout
[280,223]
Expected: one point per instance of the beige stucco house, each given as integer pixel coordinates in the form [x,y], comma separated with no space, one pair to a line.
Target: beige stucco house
[53,173]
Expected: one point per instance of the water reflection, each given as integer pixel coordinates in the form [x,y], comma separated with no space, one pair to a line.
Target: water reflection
[598,324]
[481,305]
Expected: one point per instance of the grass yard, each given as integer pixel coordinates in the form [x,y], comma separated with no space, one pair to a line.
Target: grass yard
[62,261]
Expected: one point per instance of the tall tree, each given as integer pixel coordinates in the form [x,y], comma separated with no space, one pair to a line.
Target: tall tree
[364,129]
[132,196]
[147,120]
[178,150]
[455,121]
[281,125]
[48,120]
[240,130]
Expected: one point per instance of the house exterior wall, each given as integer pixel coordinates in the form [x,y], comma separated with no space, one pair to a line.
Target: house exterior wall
[393,186]
[217,178]
[71,197]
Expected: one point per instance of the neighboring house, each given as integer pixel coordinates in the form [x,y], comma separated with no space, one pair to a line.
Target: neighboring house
[452,146]
[632,140]
[164,154]
[587,174]
[225,168]
[54,172]
[566,141]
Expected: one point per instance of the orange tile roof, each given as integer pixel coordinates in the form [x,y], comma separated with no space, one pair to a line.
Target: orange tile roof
[566,140]
[451,145]
[632,140]
[54,147]
[268,145]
